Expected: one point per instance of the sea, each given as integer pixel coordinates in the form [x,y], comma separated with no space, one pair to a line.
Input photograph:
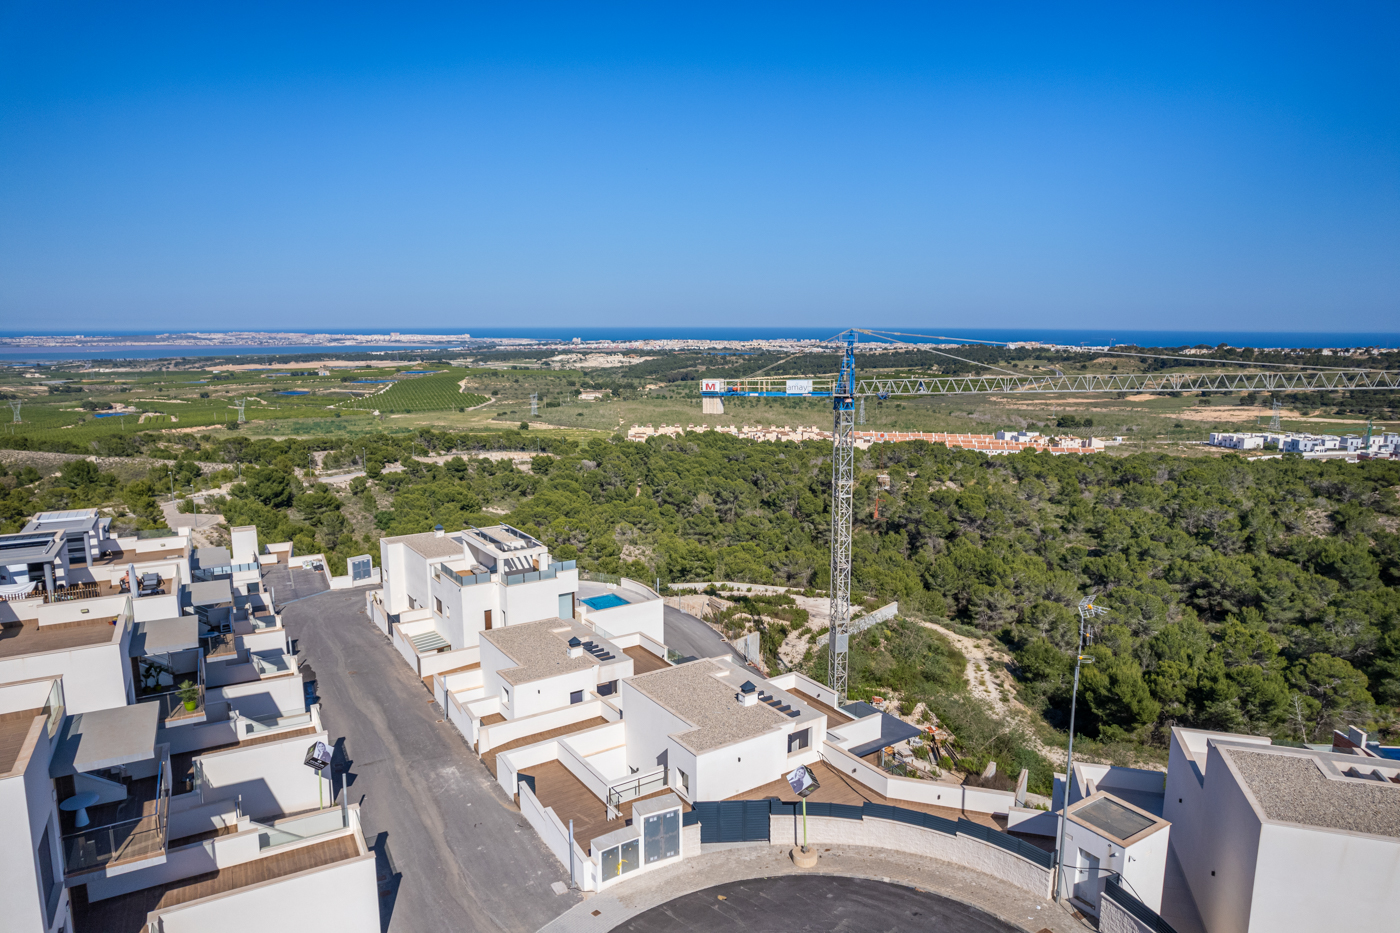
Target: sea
[930,334]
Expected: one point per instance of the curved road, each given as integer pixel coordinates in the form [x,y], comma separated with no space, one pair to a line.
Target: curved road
[813,904]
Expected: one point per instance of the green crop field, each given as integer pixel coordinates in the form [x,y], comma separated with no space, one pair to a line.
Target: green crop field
[438,392]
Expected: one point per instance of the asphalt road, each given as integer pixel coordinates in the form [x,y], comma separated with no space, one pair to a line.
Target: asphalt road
[813,904]
[452,853]
[693,638]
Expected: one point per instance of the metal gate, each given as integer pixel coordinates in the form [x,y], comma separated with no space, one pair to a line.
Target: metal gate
[733,821]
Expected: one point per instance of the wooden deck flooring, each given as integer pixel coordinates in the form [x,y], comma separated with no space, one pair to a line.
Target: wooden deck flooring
[490,757]
[643,661]
[556,787]
[842,788]
[428,681]
[127,913]
[834,717]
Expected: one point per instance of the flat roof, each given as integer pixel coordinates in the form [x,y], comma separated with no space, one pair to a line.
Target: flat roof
[212,557]
[40,547]
[1311,788]
[430,544]
[30,638]
[503,539]
[162,636]
[703,694]
[211,592]
[105,738]
[541,649]
[68,520]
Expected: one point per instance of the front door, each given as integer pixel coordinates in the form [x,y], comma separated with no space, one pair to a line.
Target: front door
[1086,880]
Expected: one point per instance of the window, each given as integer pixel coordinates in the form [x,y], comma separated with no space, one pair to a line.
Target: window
[684,783]
[505,695]
[661,835]
[799,740]
[576,697]
[607,689]
[254,589]
[437,604]
[49,887]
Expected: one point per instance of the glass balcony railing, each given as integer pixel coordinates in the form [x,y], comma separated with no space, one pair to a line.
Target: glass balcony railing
[463,579]
[269,664]
[255,725]
[302,828]
[123,841]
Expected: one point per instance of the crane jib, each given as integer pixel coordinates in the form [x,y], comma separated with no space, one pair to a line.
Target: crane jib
[1342,381]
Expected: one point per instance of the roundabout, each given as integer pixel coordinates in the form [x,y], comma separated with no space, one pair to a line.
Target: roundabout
[813,903]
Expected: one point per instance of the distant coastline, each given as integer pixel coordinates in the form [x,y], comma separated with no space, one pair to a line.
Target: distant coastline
[19,347]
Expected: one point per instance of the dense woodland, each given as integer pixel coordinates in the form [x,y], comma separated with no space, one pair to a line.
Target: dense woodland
[1255,596]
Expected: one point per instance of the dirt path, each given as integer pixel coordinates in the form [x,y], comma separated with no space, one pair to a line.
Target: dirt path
[988,677]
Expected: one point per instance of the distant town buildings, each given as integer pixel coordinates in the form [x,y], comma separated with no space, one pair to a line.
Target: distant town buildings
[1291,442]
[1004,442]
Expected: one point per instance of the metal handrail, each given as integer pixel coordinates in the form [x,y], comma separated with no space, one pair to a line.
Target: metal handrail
[632,788]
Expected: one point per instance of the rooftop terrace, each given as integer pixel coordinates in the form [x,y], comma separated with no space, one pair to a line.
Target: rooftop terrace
[29,638]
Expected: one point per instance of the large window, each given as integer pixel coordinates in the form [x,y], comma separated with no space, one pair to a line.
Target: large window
[799,740]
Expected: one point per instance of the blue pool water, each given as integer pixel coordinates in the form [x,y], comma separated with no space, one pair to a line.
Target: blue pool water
[606,601]
[110,414]
[295,392]
[373,381]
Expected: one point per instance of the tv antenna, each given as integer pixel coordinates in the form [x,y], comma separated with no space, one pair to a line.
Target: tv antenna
[15,403]
[534,404]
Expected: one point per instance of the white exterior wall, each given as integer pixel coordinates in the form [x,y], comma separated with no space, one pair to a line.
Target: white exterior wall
[271,696]
[243,544]
[95,677]
[646,618]
[552,693]
[393,565]
[531,602]
[649,727]
[1219,861]
[272,777]
[26,807]
[1300,867]
[341,897]
[732,769]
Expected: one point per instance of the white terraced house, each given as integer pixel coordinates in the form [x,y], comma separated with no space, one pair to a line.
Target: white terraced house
[153,767]
[442,590]
[1266,835]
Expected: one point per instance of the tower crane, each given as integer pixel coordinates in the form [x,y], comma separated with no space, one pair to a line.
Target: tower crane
[845,391]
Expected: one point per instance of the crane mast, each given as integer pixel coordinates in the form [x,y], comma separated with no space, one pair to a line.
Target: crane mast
[843,433]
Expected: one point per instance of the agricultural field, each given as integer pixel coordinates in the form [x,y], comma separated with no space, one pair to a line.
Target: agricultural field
[439,391]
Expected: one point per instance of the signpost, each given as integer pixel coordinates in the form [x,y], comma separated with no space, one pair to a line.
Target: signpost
[803,783]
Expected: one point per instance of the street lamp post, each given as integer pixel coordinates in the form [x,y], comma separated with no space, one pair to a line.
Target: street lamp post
[1087,610]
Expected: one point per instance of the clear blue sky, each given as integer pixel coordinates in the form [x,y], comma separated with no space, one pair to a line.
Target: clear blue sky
[1131,165]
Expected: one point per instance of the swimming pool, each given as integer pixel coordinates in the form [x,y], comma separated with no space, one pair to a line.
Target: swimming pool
[294,392]
[606,601]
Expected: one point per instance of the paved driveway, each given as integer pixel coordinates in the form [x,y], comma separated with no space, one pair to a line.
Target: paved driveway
[453,854]
[693,638]
[813,904]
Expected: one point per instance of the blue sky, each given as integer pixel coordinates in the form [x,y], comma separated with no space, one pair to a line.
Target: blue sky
[1142,166]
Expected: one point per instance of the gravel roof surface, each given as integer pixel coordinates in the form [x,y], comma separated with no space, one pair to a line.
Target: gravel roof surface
[693,693]
[1292,789]
[429,545]
[541,649]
